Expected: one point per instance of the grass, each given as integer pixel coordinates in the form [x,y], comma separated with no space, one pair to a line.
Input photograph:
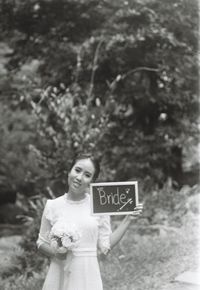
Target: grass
[150,261]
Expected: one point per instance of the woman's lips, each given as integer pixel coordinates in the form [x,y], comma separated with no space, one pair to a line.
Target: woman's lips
[76,183]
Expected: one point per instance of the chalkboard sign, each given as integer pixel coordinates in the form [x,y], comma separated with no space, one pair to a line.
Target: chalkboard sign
[114,198]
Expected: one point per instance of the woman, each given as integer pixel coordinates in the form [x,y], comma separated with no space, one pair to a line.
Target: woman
[78,269]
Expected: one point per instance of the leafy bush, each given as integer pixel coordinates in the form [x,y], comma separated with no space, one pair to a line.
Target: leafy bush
[25,266]
[22,282]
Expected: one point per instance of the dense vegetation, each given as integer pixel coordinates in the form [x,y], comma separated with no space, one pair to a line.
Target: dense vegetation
[118,78]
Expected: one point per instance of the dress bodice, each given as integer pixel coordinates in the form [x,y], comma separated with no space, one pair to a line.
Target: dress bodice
[94,230]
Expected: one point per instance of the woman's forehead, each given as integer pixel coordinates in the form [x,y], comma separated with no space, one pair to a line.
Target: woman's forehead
[86,164]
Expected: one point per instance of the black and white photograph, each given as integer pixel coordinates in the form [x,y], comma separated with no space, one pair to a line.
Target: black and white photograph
[99,145]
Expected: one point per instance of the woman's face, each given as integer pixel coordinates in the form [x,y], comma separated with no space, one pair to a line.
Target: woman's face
[80,176]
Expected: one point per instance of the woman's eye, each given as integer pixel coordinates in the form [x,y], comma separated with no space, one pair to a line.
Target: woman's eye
[88,175]
[77,169]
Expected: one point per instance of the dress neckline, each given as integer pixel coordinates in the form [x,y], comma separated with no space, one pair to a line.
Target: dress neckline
[76,201]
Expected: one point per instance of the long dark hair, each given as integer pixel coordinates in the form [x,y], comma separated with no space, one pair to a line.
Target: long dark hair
[94,160]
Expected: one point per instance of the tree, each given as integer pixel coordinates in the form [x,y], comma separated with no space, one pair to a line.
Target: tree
[117,78]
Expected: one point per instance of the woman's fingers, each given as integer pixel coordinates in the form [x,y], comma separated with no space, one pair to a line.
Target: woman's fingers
[61,256]
[139,207]
[62,250]
[138,212]
[135,215]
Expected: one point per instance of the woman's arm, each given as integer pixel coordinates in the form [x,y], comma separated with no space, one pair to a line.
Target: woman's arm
[47,250]
[43,242]
[116,236]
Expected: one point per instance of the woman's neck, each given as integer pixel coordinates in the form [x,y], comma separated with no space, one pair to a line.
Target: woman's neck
[76,197]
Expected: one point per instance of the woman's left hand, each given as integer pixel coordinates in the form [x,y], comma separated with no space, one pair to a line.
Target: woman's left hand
[138,208]
[137,211]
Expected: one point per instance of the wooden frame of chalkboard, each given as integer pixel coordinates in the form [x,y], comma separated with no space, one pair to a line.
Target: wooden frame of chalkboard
[114,198]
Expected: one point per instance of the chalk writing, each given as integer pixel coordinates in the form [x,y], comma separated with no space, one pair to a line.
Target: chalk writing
[111,198]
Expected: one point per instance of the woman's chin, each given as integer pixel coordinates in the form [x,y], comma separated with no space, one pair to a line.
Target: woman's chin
[77,191]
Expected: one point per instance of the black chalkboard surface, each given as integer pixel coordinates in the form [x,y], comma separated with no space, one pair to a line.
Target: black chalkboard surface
[114,198]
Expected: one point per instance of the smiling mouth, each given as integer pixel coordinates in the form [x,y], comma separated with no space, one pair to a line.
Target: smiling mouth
[76,184]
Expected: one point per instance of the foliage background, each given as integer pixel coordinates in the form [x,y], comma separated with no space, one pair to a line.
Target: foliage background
[119,79]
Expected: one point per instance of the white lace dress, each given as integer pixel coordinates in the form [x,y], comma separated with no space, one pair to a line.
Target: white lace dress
[80,271]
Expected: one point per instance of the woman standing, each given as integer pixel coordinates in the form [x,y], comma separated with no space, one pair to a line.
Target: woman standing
[78,268]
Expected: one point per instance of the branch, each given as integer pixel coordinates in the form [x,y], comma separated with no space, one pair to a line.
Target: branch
[139,69]
[113,85]
[78,65]
[94,68]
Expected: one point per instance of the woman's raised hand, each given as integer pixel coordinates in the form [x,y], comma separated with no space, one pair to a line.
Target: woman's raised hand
[137,211]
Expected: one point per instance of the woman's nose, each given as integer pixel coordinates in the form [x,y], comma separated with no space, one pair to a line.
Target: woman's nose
[79,176]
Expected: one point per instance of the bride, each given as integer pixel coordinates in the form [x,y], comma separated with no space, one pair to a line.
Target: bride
[75,267]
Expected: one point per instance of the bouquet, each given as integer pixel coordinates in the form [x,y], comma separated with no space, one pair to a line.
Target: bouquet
[64,236]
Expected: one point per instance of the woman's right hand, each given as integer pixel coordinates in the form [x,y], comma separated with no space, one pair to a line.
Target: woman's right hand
[61,253]
[61,256]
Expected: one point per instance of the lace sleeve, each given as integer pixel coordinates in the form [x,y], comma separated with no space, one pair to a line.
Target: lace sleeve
[46,224]
[104,234]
